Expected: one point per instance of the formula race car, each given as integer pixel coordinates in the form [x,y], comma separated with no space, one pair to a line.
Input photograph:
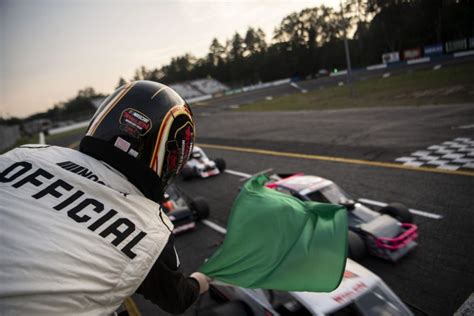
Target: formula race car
[388,233]
[182,210]
[200,166]
[361,292]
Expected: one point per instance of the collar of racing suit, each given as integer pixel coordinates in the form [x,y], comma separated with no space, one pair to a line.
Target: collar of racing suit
[136,172]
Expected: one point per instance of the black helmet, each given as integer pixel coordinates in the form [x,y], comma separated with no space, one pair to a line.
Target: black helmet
[146,131]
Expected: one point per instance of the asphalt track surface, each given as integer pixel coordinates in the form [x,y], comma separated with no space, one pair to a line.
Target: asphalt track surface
[439,275]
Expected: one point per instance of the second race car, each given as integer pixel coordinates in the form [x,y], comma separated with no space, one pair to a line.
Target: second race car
[361,292]
[388,233]
[182,210]
[200,166]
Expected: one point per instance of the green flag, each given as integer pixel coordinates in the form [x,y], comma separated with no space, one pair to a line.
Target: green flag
[276,241]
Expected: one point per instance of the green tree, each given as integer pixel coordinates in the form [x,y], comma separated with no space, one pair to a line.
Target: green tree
[141,73]
[179,69]
[237,47]
[87,93]
[312,38]
[121,82]
[217,53]
[311,28]
[254,42]
[291,30]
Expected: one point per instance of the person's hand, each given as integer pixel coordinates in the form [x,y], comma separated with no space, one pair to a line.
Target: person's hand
[203,281]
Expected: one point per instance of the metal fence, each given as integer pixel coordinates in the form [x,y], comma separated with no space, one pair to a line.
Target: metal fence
[8,136]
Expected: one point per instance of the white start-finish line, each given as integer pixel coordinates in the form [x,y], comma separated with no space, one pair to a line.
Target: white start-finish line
[449,155]
[361,200]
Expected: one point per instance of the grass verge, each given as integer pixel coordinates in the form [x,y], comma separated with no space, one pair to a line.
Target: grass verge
[81,130]
[448,85]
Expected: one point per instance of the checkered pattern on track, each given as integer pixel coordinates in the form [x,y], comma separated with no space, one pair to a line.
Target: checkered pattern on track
[450,155]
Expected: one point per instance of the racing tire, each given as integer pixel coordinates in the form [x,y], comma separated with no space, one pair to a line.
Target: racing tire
[220,164]
[357,248]
[398,211]
[200,207]
[187,173]
[216,295]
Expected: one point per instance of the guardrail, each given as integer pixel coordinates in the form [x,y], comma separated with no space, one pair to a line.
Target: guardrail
[463,54]
[68,128]
[375,67]
[418,61]
[339,73]
[8,136]
[200,98]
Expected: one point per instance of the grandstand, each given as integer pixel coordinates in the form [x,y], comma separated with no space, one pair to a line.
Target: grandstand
[208,86]
[198,88]
[186,90]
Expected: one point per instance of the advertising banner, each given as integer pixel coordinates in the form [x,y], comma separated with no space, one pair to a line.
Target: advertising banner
[391,57]
[434,50]
[411,53]
[454,46]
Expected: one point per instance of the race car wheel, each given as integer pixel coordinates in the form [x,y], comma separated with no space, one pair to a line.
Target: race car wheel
[357,248]
[220,164]
[398,211]
[230,308]
[200,207]
[216,295]
[187,173]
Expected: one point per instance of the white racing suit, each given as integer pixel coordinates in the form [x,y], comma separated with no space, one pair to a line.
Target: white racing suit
[68,243]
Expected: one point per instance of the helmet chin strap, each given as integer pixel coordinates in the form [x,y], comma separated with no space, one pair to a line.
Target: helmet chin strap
[145,179]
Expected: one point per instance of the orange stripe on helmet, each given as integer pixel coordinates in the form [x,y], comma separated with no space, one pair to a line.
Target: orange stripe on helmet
[158,151]
[154,158]
[164,128]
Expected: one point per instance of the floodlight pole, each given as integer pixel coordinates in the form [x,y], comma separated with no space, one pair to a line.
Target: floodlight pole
[348,56]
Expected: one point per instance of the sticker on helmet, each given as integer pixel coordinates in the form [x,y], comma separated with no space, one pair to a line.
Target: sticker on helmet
[133,153]
[134,123]
[122,144]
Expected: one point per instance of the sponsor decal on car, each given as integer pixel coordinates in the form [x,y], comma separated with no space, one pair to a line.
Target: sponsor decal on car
[179,149]
[350,275]
[184,227]
[206,174]
[347,295]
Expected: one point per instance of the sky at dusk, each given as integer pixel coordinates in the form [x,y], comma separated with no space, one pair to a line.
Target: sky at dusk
[50,49]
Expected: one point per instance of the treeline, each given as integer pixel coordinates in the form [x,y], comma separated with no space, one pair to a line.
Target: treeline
[313,39]
[303,43]
[78,108]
